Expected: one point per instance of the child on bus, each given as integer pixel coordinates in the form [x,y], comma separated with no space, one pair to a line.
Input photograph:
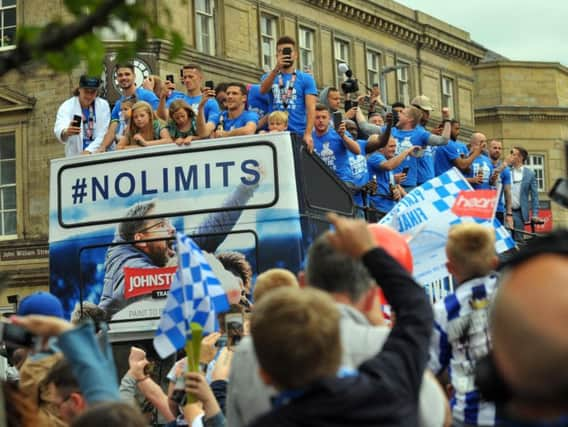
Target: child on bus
[144,129]
[182,125]
[278,121]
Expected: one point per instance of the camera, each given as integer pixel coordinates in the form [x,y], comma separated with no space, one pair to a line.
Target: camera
[15,336]
[350,85]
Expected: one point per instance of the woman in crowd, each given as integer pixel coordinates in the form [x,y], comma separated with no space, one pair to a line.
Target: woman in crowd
[144,129]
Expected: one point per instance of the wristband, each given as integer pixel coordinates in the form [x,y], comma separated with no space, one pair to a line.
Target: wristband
[509,214]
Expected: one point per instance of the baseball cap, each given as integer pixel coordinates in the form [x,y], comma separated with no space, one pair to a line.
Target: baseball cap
[88,82]
[422,102]
[41,303]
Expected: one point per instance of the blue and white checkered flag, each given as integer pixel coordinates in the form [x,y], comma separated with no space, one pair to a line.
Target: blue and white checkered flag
[426,215]
[196,296]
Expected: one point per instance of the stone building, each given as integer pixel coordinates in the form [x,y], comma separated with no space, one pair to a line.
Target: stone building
[381,40]
[526,104]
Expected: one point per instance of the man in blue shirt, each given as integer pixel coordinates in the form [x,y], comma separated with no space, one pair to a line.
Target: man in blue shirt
[235,120]
[481,169]
[501,175]
[408,133]
[192,76]
[126,77]
[291,90]
[332,146]
[455,153]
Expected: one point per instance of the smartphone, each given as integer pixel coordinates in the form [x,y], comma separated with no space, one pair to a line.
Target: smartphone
[234,327]
[337,119]
[209,84]
[77,120]
[170,78]
[348,104]
[287,51]
[354,104]
[15,336]
[405,170]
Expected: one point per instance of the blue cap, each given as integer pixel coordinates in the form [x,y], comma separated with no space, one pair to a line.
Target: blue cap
[41,303]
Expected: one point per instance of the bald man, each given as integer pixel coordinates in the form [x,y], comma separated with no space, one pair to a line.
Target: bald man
[529,331]
[479,174]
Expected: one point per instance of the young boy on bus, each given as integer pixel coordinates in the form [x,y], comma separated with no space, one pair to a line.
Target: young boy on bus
[278,121]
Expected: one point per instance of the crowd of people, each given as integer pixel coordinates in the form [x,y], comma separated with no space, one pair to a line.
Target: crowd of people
[380,155]
[314,349]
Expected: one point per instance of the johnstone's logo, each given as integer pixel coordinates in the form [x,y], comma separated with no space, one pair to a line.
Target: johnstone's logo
[476,204]
[143,281]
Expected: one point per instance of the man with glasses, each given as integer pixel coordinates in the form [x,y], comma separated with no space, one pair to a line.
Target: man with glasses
[146,243]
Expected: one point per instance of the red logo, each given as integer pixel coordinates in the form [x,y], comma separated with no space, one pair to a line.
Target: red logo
[142,281]
[476,203]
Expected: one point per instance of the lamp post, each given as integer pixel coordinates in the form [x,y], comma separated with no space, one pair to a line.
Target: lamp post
[385,71]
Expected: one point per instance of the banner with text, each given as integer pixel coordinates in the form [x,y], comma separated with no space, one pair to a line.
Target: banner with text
[426,215]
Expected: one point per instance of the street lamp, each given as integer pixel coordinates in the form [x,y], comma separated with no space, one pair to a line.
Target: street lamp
[387,70]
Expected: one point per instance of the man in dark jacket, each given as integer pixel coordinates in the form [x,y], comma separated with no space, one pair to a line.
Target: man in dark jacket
[297,342]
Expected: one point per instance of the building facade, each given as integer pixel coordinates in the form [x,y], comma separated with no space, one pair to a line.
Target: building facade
[526,104]
[381,41]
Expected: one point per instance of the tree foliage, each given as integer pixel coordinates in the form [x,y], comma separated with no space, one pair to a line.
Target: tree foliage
[64,45]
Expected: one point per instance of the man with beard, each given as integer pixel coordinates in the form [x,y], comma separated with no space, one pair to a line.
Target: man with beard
[146,243]
[501,175]
[126,80]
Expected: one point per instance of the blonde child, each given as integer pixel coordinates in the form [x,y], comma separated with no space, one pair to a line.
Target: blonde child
[278,121]
[144,129]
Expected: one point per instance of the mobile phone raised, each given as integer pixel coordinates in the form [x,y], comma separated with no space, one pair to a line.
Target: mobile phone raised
[337,119]
[170,78]
[77,120]
[209,84]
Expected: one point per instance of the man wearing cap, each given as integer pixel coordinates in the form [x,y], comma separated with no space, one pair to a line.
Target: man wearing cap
[82,120]
[37,365]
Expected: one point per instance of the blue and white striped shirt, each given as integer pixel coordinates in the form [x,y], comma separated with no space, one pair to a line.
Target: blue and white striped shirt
[460,339]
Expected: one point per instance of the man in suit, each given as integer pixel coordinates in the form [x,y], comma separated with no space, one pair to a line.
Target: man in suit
[523,186]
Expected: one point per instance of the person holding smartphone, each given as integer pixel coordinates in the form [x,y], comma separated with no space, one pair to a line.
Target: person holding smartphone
[332,145]
[291,90]
[83,119]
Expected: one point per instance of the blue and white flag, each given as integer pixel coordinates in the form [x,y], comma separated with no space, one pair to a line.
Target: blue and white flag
[196,296]
[425,214]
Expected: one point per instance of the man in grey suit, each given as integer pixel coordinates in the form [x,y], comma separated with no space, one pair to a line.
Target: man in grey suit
[362,336]
[523,187]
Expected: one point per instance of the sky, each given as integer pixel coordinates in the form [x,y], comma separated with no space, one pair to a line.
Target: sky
[524,30]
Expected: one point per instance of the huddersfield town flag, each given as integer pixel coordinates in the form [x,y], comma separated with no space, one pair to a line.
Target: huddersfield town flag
[195,296]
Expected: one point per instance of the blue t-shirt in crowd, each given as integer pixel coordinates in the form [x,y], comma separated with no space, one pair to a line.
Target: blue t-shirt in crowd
[404,140]
[239,121]
[382,201]
[141,95]
[446,154]
[504,178]
[358,169]
[85,124]
[258,102]
[425,164]
[333,152]
[483,164]
[302,84]
[211,108]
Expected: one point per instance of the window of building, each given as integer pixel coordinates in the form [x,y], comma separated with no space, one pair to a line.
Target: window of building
[341,52]
[403,90]
[268,37]
[7,184]
[205,26]
[373,67]
[7,23]
[306,48]
[536,163]
[448,94]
